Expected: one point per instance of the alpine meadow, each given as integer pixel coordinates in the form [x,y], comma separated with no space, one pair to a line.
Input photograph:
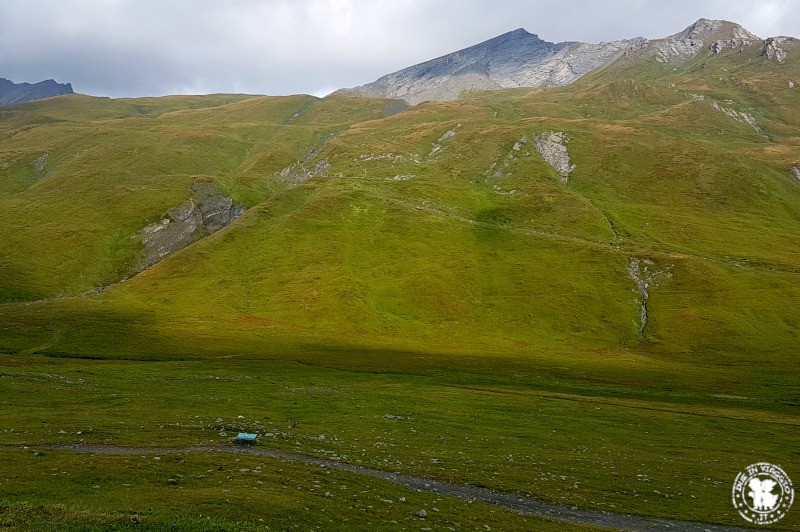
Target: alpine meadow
[582,292]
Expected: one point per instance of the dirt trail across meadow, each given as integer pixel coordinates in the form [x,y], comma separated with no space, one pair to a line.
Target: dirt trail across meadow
[509,501]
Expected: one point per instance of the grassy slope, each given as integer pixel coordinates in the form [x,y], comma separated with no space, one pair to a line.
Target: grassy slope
[483,305]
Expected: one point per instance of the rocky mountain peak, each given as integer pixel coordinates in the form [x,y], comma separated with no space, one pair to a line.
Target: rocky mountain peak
[705,29]
[514,59]
[521,59]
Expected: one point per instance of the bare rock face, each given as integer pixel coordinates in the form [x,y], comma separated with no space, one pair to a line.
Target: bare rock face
[774,48]
[515,59]
[796,170]
[208,211]
[550,146]
[711,36]
[705,29]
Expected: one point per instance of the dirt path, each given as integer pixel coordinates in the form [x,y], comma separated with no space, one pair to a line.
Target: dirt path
[470,493]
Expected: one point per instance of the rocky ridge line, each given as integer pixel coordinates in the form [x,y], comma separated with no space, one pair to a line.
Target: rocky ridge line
[521,59]
[15,93]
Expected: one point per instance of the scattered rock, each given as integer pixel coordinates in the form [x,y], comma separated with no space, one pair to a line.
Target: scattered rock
[299,172]
[437,147]
[391,157]
[498,169]
[550,146]
[740,116]
[791,84]
[422,514]
[40,162]
[448,134]
[328,494]
[796,170]
[172,481]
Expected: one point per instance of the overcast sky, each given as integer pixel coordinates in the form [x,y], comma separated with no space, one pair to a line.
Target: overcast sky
[155,47]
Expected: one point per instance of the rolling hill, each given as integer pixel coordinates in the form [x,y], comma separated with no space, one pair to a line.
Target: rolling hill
[599,279]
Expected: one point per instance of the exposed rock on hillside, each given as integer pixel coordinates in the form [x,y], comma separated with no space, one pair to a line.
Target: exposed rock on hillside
[208,211]
[645,277]
[498,169]
[705,29]
[13,93]
[796,170]
[774,48]
[739,116]
[711,36]
[551,147]
[40,163]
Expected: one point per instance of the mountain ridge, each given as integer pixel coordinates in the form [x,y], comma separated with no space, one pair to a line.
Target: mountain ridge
[518,59]
[15,93]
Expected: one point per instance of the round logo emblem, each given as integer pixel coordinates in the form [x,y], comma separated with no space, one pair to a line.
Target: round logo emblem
[763,493]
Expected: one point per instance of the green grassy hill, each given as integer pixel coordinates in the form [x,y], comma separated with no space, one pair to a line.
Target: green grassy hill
[428,263]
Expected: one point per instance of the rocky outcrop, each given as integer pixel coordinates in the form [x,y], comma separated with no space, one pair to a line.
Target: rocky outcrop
[208,211]
[739,116]
[705,30]
[721,45]
[796,170]
[774,48]
[710,36]
[15,93]
[550,146]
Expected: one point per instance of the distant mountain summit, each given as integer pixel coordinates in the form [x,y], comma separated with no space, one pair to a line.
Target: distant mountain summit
[13,93]
[515,59]
[522,59]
